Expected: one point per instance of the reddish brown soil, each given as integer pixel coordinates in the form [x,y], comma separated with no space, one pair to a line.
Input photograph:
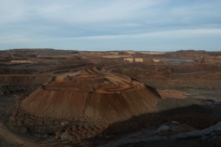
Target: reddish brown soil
[91,98]
[172,94]
[82,94]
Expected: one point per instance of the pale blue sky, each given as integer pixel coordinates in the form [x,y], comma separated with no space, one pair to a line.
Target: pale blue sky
[151,25]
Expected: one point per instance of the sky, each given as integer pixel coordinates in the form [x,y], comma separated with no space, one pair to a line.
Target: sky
[101,25]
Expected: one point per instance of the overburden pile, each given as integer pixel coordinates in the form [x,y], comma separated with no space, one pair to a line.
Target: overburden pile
[83,105]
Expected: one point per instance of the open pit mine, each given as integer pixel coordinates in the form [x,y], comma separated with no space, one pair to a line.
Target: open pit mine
[119,98]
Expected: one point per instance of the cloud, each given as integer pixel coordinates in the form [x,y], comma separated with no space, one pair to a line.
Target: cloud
[164,34]
[11,11]
[26,22]
[93,12]
[13,38]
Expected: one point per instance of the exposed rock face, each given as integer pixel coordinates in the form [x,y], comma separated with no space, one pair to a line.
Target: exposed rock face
[91,100]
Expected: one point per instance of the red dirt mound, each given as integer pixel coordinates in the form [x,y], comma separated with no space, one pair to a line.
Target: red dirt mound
[88,99]
[106,99]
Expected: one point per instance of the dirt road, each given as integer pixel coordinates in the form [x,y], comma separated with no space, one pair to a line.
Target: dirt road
[15,140]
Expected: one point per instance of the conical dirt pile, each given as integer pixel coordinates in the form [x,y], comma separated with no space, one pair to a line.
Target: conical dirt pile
[84,99]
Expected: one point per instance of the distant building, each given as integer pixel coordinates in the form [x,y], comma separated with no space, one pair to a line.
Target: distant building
[130,60]
[156,60]
[139,60]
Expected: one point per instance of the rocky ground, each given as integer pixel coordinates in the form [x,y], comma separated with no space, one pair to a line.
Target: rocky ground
[187,81]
